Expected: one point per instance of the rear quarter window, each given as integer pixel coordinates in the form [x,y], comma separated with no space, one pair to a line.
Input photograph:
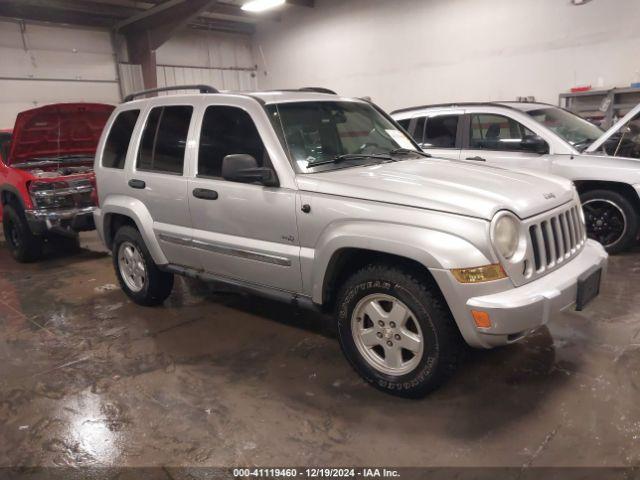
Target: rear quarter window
[117,144]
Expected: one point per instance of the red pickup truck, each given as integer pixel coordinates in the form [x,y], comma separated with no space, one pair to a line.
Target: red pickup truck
[47,184]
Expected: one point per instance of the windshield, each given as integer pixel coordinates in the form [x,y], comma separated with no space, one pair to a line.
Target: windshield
[573,129]
[335,135]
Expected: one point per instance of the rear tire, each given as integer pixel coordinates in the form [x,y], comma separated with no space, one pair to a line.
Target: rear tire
[611,219]
[137,273]
[24,246]
[409,357]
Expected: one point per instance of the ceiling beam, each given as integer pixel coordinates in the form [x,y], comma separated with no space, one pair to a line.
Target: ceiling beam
[302,3]
[65,17]
[123,13]
[75,6]
[161,22]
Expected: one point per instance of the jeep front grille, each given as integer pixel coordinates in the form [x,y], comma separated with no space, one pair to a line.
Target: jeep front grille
[553,238]
[556,238]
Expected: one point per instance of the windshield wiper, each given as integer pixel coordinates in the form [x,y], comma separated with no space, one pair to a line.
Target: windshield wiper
[408,151]
[349,156]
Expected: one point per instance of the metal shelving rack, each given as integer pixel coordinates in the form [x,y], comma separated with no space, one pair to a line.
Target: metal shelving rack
[602,107]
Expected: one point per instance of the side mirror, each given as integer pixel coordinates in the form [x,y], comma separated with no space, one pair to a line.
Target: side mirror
[244,168]
[535,144]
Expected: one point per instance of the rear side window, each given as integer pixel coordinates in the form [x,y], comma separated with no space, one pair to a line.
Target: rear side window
[227,131]
[115,148]
[164,139]
[441,131]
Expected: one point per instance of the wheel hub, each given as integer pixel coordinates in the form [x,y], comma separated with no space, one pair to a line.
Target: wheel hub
[606,221]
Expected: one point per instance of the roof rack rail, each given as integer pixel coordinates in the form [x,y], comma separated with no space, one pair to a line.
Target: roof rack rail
[318,90]
[201,88]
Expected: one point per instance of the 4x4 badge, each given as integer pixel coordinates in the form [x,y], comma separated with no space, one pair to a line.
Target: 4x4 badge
[549,196]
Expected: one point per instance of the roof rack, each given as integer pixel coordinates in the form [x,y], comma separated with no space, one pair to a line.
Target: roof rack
[201,88]
[318,90]
[500,103]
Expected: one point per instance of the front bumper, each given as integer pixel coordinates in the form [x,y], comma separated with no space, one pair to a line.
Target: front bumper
[63,222]
[517,312]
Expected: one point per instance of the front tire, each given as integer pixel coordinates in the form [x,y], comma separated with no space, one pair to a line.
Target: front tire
[611,219]
[396,332]
[24,246]
[137,273]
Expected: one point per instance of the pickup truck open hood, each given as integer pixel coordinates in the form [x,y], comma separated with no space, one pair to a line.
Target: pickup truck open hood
[613,130]
[58,130]
[445,185]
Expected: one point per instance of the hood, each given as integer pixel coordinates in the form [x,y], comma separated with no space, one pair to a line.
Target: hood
[445,185]
[613,130]
[58,130]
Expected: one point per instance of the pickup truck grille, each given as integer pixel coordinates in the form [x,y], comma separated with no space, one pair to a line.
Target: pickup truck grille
[557,238]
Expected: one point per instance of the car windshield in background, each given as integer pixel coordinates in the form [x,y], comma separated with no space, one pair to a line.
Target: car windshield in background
[328,135]
[575,130]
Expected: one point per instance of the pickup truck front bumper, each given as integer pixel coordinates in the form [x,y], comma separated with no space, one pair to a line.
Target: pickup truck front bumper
[63,222]
[516,312]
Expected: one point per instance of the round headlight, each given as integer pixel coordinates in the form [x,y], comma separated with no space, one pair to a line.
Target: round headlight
[506,236]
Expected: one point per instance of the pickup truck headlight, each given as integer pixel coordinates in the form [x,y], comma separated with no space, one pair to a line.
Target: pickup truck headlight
[505,234]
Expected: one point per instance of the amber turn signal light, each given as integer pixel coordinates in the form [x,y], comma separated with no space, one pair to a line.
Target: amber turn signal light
[486,273]
[481,319]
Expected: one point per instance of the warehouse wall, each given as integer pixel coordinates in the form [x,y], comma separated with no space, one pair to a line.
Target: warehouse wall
[407,52]
[45,64]
[223,60]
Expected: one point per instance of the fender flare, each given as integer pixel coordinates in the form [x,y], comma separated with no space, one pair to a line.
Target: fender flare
[138,212]
[7,187]
[433,249]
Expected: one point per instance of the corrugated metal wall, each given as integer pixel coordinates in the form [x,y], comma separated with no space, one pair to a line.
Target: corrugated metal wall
[223,79]
[44,64]
[222,60]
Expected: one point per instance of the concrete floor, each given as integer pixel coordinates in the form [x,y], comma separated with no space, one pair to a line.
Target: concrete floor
[215,378]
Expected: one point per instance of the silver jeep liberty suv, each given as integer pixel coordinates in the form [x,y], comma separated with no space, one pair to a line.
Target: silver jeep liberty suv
[325,202]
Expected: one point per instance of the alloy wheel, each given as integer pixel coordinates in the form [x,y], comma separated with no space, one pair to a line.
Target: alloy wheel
[387,334]
[605,221]
[132,267]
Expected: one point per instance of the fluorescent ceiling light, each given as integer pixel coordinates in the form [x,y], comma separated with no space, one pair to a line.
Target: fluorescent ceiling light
[261,5]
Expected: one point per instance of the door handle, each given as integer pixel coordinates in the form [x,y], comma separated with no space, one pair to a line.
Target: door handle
[205,194]
[133,183]
[477,159]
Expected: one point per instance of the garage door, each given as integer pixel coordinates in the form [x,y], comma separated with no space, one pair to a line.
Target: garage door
[44,64]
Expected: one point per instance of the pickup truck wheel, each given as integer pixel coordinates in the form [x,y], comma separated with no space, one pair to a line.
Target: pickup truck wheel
[23,244]
[396,333]
[610,219]
[137,273]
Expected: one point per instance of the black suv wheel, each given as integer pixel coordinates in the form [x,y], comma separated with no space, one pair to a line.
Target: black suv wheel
[396,333]
[611,219]
[23,244]
[137,273]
